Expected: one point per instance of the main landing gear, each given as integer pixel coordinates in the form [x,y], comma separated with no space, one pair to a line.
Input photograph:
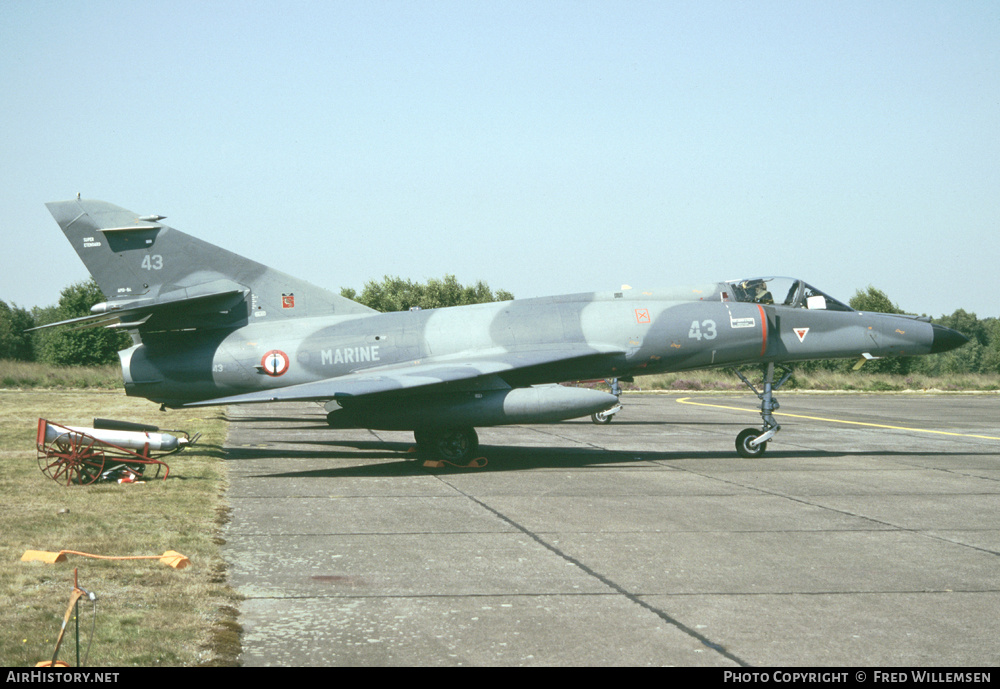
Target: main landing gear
[752,442]
[454,445]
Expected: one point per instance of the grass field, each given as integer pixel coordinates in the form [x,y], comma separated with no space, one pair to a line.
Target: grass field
[31,374]
[148,614]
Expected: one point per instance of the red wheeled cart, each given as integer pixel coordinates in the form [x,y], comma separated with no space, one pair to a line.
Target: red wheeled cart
[80,456]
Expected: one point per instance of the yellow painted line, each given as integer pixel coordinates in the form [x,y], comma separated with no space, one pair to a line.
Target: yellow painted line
[686,400]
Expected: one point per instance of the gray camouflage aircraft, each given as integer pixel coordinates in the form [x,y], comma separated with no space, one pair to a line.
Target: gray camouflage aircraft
[212,328]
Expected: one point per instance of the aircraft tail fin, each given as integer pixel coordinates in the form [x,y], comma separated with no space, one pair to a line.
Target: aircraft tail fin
[156,277]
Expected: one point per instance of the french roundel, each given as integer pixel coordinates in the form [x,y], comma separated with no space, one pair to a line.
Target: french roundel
[275,363]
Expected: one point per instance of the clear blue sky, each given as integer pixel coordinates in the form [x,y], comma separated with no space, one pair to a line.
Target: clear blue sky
[543,146]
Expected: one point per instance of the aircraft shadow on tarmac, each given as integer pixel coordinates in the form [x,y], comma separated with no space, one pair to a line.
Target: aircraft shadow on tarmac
[304,423]
[316,420]
[510,458]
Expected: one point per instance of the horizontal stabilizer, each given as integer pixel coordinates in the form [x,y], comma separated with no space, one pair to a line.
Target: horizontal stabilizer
[173,311]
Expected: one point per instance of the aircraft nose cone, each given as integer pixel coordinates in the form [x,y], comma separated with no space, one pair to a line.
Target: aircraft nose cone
[946,339]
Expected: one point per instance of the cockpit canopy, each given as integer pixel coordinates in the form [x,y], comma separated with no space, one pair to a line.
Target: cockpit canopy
[783,292]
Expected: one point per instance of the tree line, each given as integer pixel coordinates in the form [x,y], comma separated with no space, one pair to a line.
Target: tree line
[63,346]
[67,346]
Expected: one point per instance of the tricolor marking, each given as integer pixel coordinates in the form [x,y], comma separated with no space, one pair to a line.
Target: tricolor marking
[275,363]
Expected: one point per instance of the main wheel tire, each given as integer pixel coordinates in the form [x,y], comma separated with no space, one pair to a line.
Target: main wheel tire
[455,445]
[743,446]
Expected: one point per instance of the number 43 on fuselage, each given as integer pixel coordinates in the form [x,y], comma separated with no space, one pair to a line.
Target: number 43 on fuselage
[210,327]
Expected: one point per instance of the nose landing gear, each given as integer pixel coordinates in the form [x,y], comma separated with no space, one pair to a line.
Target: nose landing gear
[752,442]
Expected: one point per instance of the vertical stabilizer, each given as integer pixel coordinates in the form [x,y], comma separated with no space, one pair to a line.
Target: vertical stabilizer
[139,260]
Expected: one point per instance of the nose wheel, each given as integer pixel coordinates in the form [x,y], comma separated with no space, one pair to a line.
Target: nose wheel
[752,442]
[747,444]
[605,417]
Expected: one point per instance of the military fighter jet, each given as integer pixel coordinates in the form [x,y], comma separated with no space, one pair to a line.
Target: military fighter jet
[212,328]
